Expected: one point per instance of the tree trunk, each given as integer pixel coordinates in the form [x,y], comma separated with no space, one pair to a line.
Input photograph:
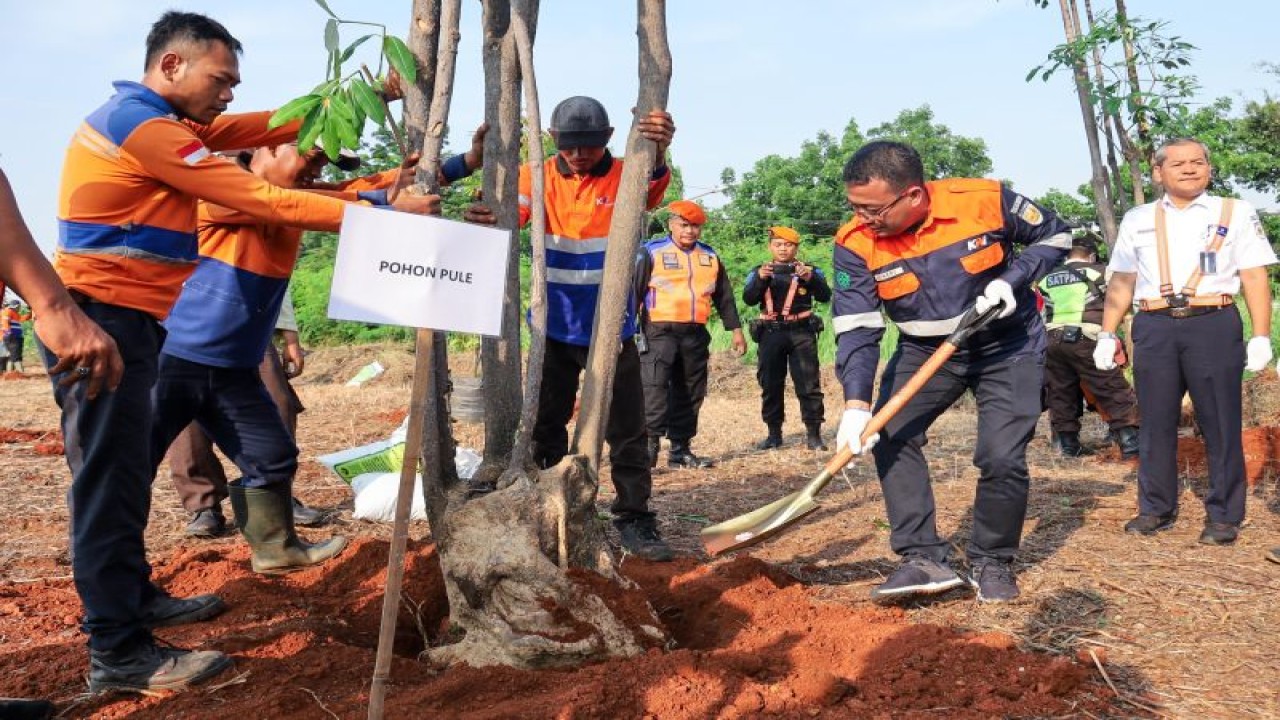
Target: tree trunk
[508,555]
[1109,120]
[624,236]
[500,357]
[424,33]
[1098,180]
[1135,153]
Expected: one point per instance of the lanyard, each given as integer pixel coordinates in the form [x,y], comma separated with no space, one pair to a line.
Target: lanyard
[1162,248]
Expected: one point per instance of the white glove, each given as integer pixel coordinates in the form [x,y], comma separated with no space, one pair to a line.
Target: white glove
[1104,354]
[996,292]
[1259,354]
[852,423]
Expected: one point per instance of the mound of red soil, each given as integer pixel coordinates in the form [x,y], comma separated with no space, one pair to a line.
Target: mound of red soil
[748,641]
[44,442]
[1261,454]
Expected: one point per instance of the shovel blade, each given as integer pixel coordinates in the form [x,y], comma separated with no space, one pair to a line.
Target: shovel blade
[752,527]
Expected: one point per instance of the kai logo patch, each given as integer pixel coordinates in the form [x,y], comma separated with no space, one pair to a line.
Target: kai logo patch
[889,274]
[1031,214]
[604,200]
[978,243]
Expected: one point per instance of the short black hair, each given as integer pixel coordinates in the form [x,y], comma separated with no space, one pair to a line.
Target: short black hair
[898,164]
[175,26]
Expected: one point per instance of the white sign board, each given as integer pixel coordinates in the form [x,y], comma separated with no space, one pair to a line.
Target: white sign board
[396,268]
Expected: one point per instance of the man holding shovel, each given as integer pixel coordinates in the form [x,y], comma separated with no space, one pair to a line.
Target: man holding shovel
[924,253]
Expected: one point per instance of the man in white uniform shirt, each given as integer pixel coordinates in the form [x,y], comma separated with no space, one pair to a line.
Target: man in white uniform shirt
[1184,258]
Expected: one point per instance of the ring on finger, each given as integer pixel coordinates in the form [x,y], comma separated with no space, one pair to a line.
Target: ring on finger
[83,370]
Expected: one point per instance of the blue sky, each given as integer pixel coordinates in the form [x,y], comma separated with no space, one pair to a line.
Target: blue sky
[751,77]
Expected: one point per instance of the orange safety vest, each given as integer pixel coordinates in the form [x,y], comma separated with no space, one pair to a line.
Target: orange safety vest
[681,283]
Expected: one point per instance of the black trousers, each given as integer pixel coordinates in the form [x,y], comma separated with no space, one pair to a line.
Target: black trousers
[108,448]
[795,346]
[1008,395]
[197,474]
[233,407]
[674,371]
[625,431]
[1066,365]
[1202,355]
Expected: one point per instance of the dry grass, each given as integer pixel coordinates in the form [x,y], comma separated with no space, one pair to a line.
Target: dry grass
[1181,630]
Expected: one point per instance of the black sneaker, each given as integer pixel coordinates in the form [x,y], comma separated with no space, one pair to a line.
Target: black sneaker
[641,538]
[14,709]
[681,456]
[994,581]
[916,576]
[307,516]
[150,668]
[166,610]
[1150,524]
[207,523]
[1216,533]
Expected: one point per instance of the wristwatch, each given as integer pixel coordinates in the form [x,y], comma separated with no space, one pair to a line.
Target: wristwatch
[1104,335]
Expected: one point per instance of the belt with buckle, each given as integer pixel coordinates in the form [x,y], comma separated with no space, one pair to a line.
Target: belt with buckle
[1185,306]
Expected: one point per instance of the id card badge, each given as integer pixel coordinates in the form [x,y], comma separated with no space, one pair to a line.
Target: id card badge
[1208,262]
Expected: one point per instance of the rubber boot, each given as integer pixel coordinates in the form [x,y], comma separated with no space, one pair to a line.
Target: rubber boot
[265,517]
[1127,440]
[680,455]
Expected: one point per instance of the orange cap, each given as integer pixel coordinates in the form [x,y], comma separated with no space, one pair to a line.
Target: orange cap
[690,211]
[784,233]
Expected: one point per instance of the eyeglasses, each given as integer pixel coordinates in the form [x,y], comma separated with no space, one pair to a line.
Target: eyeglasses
[876,213]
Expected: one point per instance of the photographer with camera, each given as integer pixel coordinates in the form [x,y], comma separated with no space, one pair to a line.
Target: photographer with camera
[786,334]
[1075,292]
[679,280]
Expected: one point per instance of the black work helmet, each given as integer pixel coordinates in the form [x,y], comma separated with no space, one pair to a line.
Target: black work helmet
[580,121]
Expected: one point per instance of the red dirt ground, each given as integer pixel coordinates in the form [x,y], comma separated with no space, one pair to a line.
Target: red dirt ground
[749,641]
[43,442]
[1261,454]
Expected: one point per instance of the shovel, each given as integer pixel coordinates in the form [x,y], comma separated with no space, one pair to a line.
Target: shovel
[761,523]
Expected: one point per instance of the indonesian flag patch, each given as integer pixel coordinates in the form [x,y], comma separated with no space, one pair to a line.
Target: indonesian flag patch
[193,152]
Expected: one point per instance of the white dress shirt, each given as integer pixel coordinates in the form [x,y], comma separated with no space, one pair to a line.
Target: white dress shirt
[1189,232]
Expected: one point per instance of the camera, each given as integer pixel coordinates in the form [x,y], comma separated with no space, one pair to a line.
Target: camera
[783,268]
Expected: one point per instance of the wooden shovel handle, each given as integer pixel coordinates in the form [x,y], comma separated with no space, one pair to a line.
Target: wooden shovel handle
[971,322]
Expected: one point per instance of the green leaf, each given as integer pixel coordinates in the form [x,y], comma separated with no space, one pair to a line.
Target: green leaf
[348,133]
[358,123]
[339,105]
[329,135]
[312,124]
[325,6]
[331,36]
[351,49]
[368,99]
[296,107]
[400,57]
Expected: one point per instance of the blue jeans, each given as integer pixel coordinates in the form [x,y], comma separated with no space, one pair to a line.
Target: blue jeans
[107,442]
[236,412]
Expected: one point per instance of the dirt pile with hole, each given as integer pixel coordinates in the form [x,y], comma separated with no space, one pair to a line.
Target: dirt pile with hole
[749,640]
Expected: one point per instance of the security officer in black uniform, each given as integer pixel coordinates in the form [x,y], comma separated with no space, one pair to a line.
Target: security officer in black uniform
[1075,293]
[787,334]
